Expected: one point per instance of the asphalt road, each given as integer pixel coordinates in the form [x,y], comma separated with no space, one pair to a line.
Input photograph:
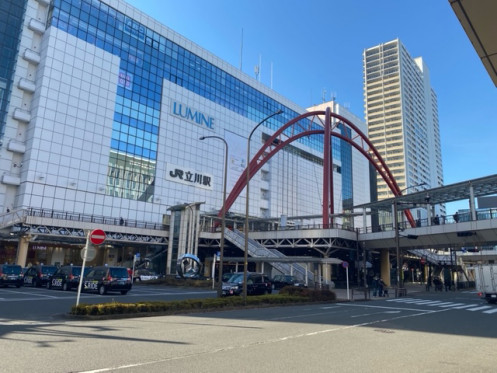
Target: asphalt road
[40,304]
[425,332]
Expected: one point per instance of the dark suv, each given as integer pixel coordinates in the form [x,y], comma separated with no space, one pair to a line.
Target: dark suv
[11,274]
[257,284]
[39,275]
[105,278]
[280,281]
[66,277]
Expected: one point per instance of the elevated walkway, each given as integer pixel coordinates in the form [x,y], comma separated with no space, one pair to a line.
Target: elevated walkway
[66,227]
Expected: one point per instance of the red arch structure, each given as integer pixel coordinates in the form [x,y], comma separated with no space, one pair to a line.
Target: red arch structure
[302,126]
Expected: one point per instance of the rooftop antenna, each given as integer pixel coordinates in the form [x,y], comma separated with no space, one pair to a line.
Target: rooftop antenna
[241,51]
[324,96]
[271,75]
[260,67]
[256,71]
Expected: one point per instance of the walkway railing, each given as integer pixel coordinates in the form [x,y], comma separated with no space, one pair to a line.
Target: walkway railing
[19,216]
[485,214]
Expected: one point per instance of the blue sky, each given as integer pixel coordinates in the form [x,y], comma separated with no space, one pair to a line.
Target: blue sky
[316,45]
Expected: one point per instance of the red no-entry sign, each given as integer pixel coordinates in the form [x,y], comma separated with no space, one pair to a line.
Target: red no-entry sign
[97,236]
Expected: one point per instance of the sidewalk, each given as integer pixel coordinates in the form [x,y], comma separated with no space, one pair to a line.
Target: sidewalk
[357,294]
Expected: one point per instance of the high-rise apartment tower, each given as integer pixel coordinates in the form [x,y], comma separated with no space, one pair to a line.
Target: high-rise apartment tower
[402,116]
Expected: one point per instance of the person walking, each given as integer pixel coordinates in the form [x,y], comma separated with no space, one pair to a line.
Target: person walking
[381,288]
[428,283]
[447,279]
[375,285]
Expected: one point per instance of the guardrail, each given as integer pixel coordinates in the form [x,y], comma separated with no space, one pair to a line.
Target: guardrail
[485,214]
[19,216]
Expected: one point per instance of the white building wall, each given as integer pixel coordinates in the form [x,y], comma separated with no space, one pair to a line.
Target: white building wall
[68,138]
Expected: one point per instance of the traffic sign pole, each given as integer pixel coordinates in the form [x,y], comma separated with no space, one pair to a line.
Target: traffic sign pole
[97,237]
[346,266]
[135,259]
[83,267]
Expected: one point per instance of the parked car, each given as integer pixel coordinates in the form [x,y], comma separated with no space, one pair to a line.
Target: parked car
[142,274]
[280,281]
[227,276]
[257,283]
[39,275]
[11,274]
[104,279]
[66,277]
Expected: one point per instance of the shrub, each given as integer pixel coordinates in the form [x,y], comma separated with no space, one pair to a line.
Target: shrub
[312,294]
[289,295]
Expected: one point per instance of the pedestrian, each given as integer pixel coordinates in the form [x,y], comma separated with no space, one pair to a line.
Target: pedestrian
[375,285]
[121,221]
[447,279]
[381,287]
[437,282]
[428,283]
[456,217]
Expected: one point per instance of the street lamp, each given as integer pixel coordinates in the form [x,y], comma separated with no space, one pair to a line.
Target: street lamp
[245,256]
[223,224]
[397,236]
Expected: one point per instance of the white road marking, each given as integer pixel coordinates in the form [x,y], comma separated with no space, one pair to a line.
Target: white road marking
[463,307]
[452,305]
[478,308]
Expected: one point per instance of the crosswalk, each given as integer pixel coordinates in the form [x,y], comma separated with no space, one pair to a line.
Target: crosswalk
[473,307]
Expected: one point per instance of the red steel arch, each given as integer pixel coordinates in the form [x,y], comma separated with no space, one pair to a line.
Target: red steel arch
[298,128]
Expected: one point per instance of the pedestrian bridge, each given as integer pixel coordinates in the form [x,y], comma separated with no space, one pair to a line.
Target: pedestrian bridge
[442,236]
[474,228]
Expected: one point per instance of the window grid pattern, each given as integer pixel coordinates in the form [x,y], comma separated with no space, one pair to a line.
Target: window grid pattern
[11,18]
[146,59]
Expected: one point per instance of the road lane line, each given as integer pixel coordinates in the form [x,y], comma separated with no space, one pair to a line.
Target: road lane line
[452,305]
[463,307]
[390,308]
[478,308]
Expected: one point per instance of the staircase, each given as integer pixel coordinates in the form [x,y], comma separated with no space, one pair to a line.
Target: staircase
[433,257]
[12,218]
[256,250]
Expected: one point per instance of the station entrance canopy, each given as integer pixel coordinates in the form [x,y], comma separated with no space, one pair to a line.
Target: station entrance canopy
[469,189]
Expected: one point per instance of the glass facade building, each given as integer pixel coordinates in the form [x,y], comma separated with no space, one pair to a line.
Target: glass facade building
[106,110]
[11,18]
[146,58]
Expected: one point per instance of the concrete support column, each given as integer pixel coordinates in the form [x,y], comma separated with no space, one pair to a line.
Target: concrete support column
[169,259]
[472,208]
[326,273]
[385,267]
[22,250]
